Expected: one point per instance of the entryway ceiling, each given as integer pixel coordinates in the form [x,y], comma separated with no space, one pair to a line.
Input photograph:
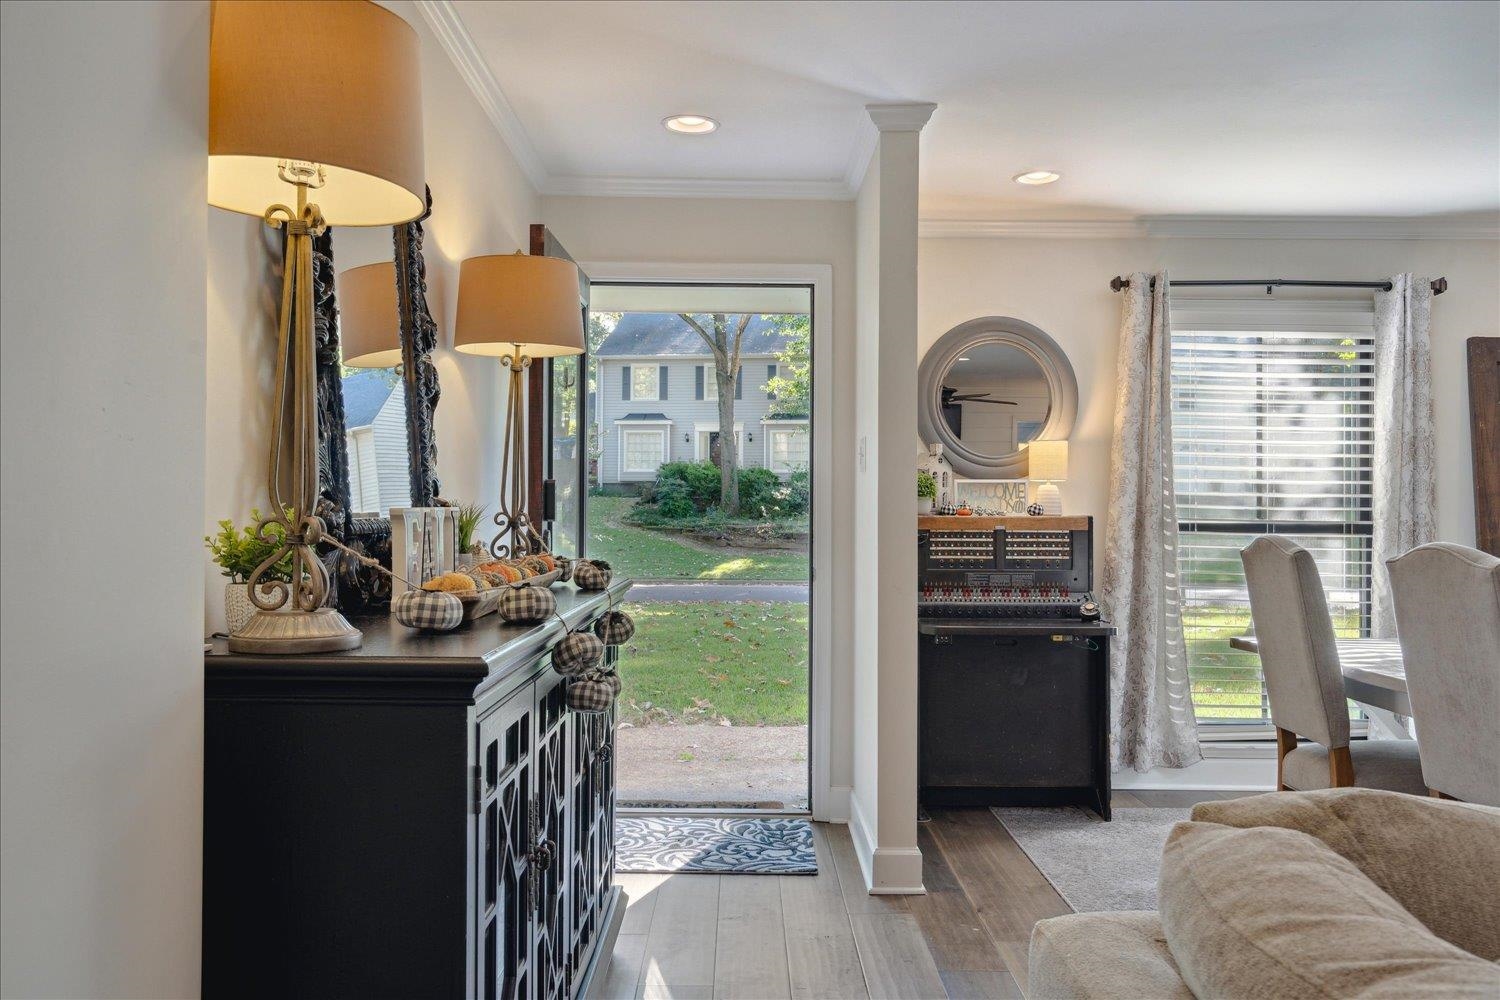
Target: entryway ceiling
[1270,109]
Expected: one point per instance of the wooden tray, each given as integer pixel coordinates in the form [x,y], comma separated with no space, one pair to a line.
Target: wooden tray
[478,603]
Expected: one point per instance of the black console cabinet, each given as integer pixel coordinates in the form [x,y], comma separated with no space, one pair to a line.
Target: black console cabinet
[421,817]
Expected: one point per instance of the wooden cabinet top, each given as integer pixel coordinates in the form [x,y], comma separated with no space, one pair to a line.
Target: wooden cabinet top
[952,522]
[472,658]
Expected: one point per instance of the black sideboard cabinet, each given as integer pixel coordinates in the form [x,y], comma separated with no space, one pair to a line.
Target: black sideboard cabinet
[421,817]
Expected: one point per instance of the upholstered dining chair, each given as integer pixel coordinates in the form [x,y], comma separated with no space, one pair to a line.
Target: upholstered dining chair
[1306,688]
[1448,618]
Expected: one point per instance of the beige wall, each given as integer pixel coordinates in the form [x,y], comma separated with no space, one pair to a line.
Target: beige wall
[481,204]
[678,230]
[1062,286]
[101,692]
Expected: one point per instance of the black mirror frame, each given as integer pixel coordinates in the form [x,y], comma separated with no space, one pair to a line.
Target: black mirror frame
[354,586]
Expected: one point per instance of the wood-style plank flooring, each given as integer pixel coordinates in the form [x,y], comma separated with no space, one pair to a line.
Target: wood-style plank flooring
[763,937]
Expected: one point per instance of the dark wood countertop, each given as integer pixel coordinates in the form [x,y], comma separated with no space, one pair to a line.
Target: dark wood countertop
[477,655]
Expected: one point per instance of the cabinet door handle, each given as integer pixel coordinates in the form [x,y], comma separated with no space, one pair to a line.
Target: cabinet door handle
[542,855]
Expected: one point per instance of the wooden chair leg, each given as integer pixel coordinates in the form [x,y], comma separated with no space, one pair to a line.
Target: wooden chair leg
[1340,767]
[1286,742]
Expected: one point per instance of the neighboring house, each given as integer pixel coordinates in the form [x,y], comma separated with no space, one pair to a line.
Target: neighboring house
[658,400]
[375,423]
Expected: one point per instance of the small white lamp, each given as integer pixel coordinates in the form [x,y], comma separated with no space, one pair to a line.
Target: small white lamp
[1047,463]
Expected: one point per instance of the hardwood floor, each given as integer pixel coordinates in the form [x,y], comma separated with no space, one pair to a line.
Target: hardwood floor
[765,937]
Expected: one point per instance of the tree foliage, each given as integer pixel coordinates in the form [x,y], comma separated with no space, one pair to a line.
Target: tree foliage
[792,385]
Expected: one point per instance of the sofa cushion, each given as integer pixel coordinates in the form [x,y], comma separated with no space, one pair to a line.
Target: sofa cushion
[1272,913]
[1102,956]
[1440,860]
[1388,764]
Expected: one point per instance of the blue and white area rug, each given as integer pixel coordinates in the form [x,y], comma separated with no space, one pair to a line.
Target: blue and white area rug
[713,845]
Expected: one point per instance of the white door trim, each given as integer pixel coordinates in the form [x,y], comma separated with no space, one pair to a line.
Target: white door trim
[828,803]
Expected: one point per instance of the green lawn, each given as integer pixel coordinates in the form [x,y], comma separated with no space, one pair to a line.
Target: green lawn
[702,663]
[644,554]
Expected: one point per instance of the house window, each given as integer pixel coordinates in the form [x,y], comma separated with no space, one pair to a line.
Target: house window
[644,384]
[710,383]
[788,448]
[642,449]
[1272,424]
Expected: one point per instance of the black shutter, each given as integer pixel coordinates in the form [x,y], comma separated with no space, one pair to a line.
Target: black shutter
[770,374]
[625,383]
[698,376]
[661,380]
[739,383]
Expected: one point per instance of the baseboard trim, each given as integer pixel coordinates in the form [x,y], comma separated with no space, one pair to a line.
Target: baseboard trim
[887,871]
[834,807]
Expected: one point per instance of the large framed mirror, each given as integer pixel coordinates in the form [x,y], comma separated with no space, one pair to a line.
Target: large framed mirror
[989,387]
[377,448]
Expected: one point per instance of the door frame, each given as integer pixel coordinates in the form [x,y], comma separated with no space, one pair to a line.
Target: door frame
[828,804]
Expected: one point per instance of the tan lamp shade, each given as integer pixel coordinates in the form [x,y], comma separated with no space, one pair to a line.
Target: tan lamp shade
[1047,461]
[335,83]
[369,319]
[507,301]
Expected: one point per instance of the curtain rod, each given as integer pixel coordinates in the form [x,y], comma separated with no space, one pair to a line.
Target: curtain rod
[1439,285]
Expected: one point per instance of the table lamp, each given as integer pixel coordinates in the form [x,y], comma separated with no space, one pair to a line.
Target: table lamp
[518,308]
[369,316]
[1047,463]
[325,96]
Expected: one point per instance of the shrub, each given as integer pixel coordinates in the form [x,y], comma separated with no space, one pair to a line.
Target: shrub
[758,488]
[674,501]
[701,479]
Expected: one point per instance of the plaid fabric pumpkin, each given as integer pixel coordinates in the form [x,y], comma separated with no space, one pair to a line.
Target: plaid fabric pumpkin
[427,609]
[614,628]
[590,694]
[608,677]
[577,654]
[527,604]
[591,574]
[566,566]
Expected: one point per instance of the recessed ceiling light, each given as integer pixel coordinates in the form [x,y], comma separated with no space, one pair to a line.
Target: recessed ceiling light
[1035,177]
[690,124]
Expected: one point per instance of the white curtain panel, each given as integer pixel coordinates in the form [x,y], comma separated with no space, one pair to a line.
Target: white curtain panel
[1405,501]
[1151,710]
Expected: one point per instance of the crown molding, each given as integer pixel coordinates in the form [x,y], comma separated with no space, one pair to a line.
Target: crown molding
[866,139]
[443,18]
[900,117]
[694,187]
[1240,227]
[1012,229]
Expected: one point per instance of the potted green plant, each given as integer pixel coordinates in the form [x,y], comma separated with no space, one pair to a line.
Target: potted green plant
[926,491]
[238,552]
[470,548]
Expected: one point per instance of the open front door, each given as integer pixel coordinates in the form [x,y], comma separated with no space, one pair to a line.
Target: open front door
[557,428]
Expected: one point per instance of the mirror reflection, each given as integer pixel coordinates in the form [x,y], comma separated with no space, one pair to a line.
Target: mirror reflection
[375,436]
[995,399]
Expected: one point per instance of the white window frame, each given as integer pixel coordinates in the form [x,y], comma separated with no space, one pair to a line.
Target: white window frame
[701,448]
[773,427]
[710,385]
[624,428]
[655,396]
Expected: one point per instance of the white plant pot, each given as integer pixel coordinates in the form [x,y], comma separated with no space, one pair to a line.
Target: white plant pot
[238,609]
[924,505]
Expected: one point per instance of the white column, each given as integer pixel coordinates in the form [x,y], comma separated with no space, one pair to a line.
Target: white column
[884,803]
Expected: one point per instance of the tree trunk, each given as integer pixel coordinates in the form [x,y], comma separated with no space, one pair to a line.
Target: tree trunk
[729,452]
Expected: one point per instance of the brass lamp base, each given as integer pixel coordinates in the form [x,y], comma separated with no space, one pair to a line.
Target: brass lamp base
[283,632]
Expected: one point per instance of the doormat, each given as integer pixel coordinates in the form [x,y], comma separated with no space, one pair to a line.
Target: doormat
[1094,865]
[714,845]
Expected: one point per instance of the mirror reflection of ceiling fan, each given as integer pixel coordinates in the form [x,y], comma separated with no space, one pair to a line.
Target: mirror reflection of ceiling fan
[952,396]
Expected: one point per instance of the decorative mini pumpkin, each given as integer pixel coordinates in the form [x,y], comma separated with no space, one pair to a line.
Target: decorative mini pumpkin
[566,566]
[453,582]
[608,677]
[614,628]
[427,609]
[591,574]
[527,604]
[592,693]
[1035,510]
[577,653]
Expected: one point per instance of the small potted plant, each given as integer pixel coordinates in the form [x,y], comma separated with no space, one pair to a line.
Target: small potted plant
[926,491]
[470,549]
[237,552]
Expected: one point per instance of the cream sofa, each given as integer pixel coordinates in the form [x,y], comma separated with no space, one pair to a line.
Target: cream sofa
[1340,893]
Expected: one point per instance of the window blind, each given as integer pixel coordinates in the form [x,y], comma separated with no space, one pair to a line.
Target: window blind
[1273,432]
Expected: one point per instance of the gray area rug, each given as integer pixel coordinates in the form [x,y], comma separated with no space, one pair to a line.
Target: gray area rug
[714,845]
[1092,864]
